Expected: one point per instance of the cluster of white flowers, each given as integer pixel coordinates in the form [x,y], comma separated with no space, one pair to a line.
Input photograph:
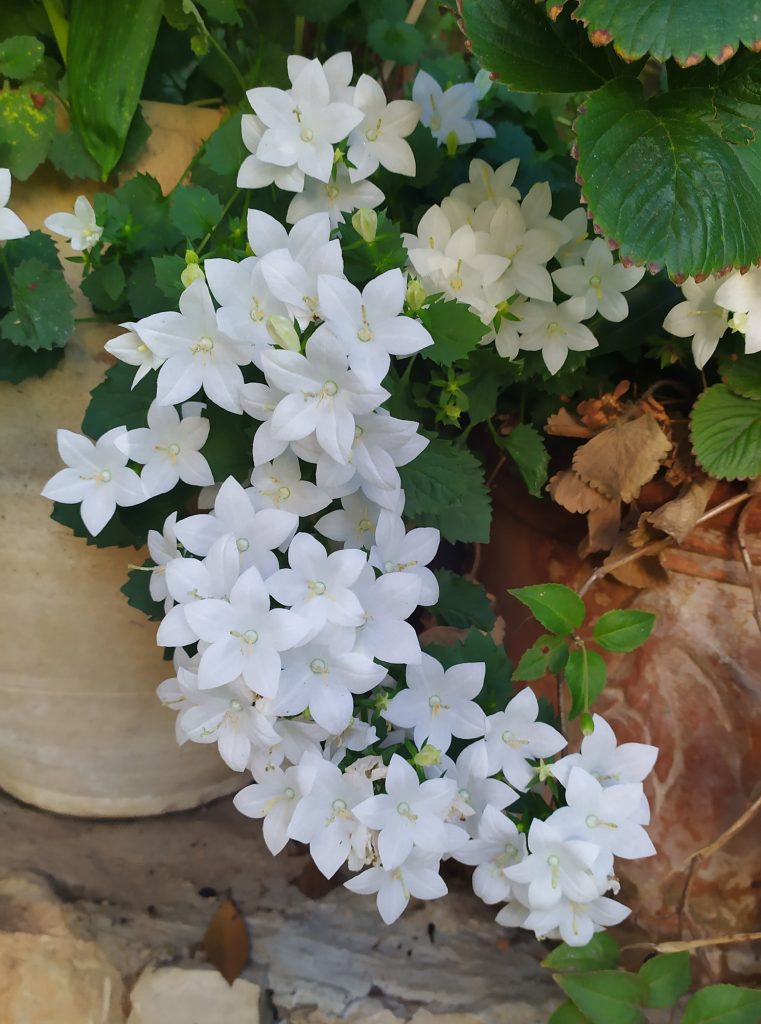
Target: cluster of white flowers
[299,644]
[490,249]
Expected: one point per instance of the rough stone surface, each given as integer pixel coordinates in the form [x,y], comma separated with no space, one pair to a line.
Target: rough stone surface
[143,893]
[173,995]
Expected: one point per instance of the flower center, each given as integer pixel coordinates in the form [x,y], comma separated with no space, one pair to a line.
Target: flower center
[242,544]
[434,701]
[358,432]
[174,449]
[364,525]
[595,280]
[339,805]
[235,705]
[283,492]
[204,344]
[465,794]
[319,666]
[250,636]
[257,313]
[104,477]
[306,134]
[333,191]
[289,793]
[388,566]
[330,388]
[317,587]
[404,809]
[592,821]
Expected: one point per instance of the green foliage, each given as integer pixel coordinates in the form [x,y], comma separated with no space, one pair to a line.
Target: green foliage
[108,52]
[41,316]
[659,207]
[667,976]
[194,211]
[623,630]
[444,487]
[115,534]
[317,10]
[742,375]
[599,954]
[454,329]
[168,270]
[567,1013]
[585,673]
[138,594]
[672,28]
[726,434]
[724,1004]
[525,446]
[228,448]
[115,403]
[605,997]
[105,286]
[557,607]
[395,40]
[477,646]
[462,603]
[17,362]
[364,260]
[136,215]
[547,654]
[27,115]
[20,56]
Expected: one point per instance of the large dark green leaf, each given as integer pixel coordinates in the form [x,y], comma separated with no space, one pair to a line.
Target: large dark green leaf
[606,997]
[667,977]
[42,313]
[724,1004]
[444,487]
[19,56]
[600,953]
[687,30]
[462,603]
[27,117]
[726,434]
[675,180]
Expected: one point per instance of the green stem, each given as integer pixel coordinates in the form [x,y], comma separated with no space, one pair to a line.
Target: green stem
[59,24]
[227,59]
[5,266]
[225,211]
[211,101]
[408,369]
[298,33]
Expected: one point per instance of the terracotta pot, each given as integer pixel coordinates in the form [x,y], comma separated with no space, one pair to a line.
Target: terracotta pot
[694,690]
[81,730]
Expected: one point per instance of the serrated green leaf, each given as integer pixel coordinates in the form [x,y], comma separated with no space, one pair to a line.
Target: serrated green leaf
[137,215]
[683,29]
[600,953]
[143,293]
[228,448]
[28,119]
[444,487]
[667,977]
[585,673]
[115,403]
[462,603]
[527,449]
[168,269]
[726,434]
[364,260]
[17,362]
[454,329]
[742,375]
[476,646]
[194,211]
[724,1004]
[68,154]
[518,42]
[623,630]
[547,654]
[395,40]
[567,1013]
[646,165]
[42,312]
[224,11]
[221,157]
[137,592]
[105,287]
[557,607]
[606,997]
[20,56]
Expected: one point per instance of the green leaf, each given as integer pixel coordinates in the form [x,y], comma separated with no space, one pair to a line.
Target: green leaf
[395,40]
[228,448]
[444,487]
[683,29]
[476,646]
[585,673]
[606,997]
[667,976]
[221,157]
[17,362]
[42,313]
[115,403]
[114,534]
[19,56]
[726,434]
[526,447]
[138,594]
[517,41]
[547,654]
[318,10]
[557,607]
[168,270]
[742,375]
[363,260]
[28,119]
[105,287]
[623,630]
[454,329]
[600,953]
[662,181]
[68,154]
[724,1004]
[567,1013]
[462,603]
[194,211]
[108,52]
[136,215]
[143,293]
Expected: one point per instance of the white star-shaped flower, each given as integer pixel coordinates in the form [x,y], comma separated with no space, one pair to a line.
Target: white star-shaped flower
[380,137]
[169,450]
[11,225]
[600,282]
[79,227]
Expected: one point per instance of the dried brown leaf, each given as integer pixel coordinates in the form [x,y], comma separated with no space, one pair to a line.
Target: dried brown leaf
[603,524]
[570,491]
[226,942]
[643,572]
[619,461]
[599,413]
[565,424]
[678,517]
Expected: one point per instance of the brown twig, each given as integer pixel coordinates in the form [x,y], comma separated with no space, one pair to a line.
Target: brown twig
[658,545]
[755,584]
[678,946]
[728,833]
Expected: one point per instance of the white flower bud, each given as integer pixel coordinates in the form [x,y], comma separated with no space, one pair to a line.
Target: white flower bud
[365,223]
[283,333]
[191,273]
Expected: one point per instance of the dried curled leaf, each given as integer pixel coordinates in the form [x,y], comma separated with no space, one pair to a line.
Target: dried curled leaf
[678,517]
[226,942]
[599,413]
[565,424]
[569,490]
[641,572]
[603,525]
[620,460]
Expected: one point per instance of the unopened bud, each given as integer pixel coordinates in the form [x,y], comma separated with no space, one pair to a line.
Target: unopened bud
[199,44]
[739,322]
[191,273]
[483,82]
[191,256]
[544,771]
[416,295]
[283,333]
[586,724]
[381,700]
[365,223]
[452,142]
[427,756]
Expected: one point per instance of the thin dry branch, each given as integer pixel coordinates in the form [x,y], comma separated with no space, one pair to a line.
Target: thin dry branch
[755,584]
